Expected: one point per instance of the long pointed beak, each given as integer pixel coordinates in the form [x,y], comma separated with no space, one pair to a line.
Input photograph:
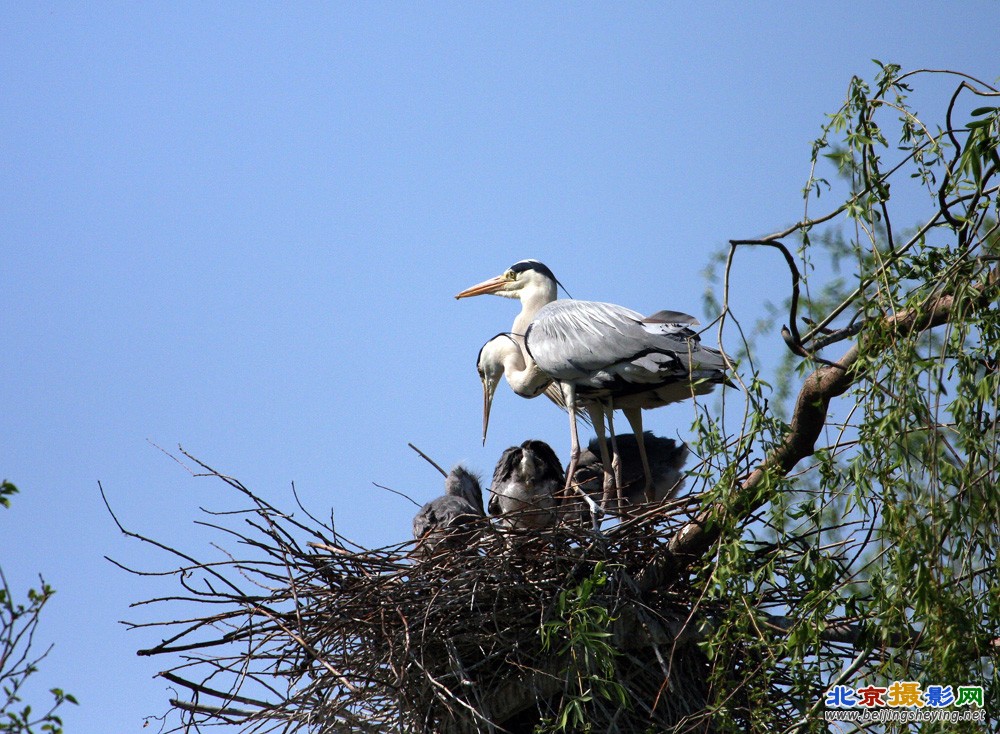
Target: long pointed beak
[487,286]
[489,388]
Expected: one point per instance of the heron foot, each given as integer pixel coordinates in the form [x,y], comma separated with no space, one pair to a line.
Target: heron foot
[596,513]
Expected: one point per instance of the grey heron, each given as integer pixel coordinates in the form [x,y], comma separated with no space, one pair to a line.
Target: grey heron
[605,357]
[666,460]
[445,521]
[502,356]
[526,486]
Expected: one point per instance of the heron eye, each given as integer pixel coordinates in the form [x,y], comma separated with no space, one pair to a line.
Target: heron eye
[510,275]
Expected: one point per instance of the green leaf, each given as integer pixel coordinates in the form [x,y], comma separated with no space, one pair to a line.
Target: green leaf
[977,124]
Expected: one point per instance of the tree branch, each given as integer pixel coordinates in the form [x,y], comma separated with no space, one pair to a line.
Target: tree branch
[693,540]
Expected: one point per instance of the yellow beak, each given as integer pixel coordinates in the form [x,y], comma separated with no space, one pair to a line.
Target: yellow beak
[487,286]
[489,388]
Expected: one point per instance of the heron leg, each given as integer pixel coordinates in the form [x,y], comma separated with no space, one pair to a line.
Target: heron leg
[616,461]
[597,414]
[569,395]
[634,416]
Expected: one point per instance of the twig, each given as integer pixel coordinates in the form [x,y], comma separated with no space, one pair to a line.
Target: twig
[396,491]
[429,460]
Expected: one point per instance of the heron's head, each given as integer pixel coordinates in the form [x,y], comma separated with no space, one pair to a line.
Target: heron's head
[460,482]
[490,367]
[523,277]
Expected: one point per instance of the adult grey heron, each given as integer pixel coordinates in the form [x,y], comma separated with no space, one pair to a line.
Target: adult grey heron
[666,460]
[503,356]
[605,357]
[445,521]
[526,486]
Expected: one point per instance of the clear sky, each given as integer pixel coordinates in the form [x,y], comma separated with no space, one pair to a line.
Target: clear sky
[239,227]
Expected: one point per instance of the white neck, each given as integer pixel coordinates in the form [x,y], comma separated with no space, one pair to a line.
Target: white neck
[533,298]
[523,375]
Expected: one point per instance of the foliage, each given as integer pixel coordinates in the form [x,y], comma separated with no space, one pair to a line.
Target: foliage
[7,490]
[579,633]
[880,551]
[18,662]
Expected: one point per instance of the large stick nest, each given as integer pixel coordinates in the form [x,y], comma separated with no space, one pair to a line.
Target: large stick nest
[311,632]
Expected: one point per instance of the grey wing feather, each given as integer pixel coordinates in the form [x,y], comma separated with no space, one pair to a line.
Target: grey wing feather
[672,317]
[597,342]
[569,339]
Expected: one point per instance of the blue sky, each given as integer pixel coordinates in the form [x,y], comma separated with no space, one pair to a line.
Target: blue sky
[239,227]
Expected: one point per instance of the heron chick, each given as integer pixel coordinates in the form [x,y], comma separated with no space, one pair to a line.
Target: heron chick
[449,522]
[666,461]
[526,486]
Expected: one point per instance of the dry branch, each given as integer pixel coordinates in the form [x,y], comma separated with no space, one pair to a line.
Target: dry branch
[347,639]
